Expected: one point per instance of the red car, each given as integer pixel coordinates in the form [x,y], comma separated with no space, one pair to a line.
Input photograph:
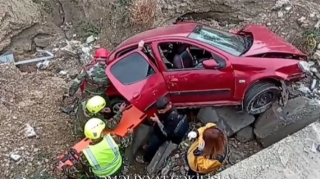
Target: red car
[195,65]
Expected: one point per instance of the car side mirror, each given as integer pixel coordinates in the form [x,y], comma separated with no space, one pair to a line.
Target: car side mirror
[210,64]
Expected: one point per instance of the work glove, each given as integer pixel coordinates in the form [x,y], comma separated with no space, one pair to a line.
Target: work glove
[192,135]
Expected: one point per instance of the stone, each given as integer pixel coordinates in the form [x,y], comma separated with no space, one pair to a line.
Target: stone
[316,55]
[140,136]
[15,157]
[283,160]
[278,122]
[245,135]
[30,132]
[15,17]
[227,118]
[160,157]
[90,39]
[42,42]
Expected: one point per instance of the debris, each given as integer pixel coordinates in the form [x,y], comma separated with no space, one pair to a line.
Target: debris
[280,14]
[317,25]
[90,39]
[313,84]
[15,157]
[288,7]
[43,65]
[49,57]
[303,88]
[30,131]
[284,94]
[279,4]
[62,72]
[7,57]
[314,70]
[302,20]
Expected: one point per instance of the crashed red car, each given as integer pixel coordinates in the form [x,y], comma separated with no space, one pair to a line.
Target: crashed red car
[195,65]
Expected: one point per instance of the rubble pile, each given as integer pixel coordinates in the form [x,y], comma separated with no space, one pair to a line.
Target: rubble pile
[310,86]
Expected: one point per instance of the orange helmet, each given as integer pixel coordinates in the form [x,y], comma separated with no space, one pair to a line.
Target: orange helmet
[101,53]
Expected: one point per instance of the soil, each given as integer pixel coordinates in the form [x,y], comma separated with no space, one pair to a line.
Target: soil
[34,96]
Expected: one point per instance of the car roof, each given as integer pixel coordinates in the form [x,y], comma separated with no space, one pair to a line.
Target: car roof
[182,29]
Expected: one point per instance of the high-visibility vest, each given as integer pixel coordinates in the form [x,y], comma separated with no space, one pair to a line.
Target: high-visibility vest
[104,157]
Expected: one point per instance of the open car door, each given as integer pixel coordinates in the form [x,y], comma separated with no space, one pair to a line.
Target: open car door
[137,79]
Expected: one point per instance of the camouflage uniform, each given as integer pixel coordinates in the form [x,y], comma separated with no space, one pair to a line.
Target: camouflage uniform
[82,167]
[82,116]
[96,81]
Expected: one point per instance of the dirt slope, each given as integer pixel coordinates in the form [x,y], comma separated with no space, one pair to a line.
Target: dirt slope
[31,99]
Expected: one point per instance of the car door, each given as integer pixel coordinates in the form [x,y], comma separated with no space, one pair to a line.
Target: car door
[193,87]
[137,80]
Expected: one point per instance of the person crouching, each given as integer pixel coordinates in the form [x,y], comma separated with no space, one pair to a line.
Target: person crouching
[208,152]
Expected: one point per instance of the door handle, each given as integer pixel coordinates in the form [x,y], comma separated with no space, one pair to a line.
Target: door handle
[136,95]
[174,79]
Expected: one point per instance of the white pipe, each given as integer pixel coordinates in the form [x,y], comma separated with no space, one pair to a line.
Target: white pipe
[23,62]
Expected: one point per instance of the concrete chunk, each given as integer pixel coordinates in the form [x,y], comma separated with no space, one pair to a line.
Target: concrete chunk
[279,122]
[160,157]
[245,135]
[140,135]
[227,118]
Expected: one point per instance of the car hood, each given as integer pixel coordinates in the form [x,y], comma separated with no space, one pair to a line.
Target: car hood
[265,41]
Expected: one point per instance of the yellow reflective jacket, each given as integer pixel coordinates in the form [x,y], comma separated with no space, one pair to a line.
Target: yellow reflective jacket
[203,164]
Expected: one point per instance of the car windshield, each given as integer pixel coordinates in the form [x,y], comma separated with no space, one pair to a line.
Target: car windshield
[132,69]
[228,42]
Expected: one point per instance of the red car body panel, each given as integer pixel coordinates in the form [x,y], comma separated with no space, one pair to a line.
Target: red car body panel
[203,87]
[266,41]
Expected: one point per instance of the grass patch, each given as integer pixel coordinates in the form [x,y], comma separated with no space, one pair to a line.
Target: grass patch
[86,28]
[311,39]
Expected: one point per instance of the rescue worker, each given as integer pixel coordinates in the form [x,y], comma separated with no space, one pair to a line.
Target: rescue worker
[170,126]
[94,76]
[96,107]
[102,158]
[208,152]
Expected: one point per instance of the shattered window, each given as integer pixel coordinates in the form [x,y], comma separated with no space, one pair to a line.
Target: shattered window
[230,43]
[132,69]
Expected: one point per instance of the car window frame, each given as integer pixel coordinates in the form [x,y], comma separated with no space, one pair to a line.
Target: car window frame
[144,58]
[126,51]
[193,44]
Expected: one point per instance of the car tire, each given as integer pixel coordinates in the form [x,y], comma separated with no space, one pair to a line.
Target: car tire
[115,104]
[260,97]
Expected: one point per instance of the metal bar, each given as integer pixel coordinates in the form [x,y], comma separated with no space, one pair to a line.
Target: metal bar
[23,62]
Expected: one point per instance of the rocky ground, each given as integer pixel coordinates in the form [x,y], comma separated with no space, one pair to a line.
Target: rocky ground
[34,96]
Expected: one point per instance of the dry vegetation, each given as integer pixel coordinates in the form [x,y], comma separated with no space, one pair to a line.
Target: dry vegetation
[143,11]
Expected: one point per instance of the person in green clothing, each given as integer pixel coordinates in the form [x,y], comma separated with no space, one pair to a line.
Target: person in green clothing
[102,158]
[96,107]
[94,76]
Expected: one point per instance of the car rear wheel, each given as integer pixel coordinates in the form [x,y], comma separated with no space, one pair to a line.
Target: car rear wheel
[260,97]
[115,104]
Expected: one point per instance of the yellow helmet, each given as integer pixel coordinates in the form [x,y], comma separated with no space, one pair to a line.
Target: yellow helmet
[94,128]
[95,104]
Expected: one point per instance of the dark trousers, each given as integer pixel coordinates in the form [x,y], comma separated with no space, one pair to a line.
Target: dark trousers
[152,148]
[156,141]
